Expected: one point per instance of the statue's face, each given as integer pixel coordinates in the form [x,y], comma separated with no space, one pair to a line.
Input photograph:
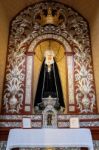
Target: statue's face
[49,59]
[49,55]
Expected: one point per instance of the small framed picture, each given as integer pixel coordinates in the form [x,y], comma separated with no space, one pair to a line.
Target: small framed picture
[74,122]
[26,122]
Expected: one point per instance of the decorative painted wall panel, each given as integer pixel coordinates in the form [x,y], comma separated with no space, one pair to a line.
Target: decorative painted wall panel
[14,84]
[84,87]
[70,67]
[28,80]
[70,29]
[28,86]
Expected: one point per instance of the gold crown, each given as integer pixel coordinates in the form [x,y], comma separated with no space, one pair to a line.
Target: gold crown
[50,18]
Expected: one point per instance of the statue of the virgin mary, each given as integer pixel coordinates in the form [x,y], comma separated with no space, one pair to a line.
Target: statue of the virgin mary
[49,84]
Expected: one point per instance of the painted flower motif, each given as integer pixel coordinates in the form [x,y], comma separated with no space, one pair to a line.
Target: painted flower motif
[86,102]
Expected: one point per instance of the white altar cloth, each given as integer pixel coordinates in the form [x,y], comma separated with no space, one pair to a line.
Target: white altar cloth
[49,138]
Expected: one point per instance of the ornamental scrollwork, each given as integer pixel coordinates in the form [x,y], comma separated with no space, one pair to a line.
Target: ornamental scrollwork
[24,29]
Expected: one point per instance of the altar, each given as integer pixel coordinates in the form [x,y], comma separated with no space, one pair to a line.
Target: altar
[31,138]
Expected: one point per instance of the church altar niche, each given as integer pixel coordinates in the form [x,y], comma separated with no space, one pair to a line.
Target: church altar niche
[59,59]
[67,34]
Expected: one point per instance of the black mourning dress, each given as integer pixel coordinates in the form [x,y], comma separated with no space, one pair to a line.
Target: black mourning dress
[49,85]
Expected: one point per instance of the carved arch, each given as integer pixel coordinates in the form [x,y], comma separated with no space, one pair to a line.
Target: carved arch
[58,38]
